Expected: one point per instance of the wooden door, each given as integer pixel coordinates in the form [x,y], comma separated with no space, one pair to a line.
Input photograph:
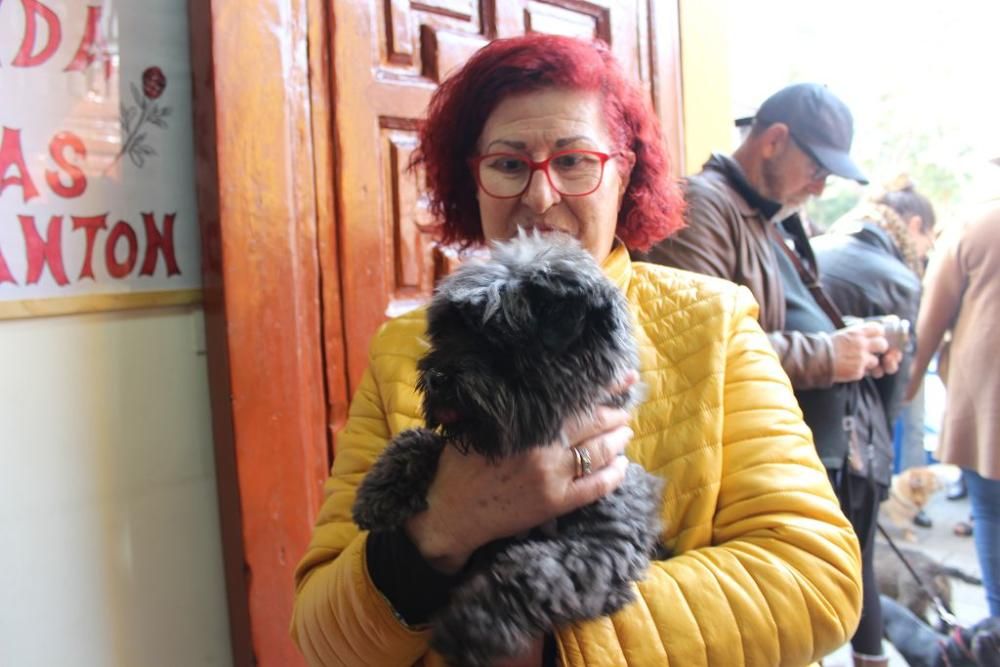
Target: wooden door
[305,116]
[388,57]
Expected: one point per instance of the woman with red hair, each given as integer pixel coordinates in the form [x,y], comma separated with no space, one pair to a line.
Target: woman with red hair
[544,133]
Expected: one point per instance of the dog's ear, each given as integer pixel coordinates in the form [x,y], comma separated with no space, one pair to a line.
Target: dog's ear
[925,480]
[918,489]
[933,482]
[471,296]
[462,310]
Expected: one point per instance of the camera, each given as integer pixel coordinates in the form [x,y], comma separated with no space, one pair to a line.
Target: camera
[897,331]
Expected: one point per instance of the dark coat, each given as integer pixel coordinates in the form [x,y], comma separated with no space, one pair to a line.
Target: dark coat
[863,273]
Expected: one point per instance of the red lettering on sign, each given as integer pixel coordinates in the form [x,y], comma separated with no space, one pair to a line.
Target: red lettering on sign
[5,275]
[78,180]
[92,224]
[117,269]
[43,251]
[155,241]
[92,46]
[11,155]
[26,55]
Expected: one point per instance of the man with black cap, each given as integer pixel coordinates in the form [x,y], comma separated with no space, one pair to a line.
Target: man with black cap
[743,225]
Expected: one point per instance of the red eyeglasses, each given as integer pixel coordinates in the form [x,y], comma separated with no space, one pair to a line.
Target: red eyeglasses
[572,173]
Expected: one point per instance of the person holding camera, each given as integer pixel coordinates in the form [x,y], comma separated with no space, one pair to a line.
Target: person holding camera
[743,225]
[872,261]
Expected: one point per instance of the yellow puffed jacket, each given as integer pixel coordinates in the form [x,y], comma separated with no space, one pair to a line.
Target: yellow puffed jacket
[766,569]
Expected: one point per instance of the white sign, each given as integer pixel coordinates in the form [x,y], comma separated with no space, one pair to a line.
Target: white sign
[96,153]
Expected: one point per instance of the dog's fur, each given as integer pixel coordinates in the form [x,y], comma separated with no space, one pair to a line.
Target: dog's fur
[896,581]
[518,345]
[921,646]
[909,493]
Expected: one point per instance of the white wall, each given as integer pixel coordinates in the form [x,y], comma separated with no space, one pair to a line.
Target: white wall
[110,553]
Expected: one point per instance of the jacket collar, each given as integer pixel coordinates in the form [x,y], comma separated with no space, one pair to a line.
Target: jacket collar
[731,170]
[617,266]
[872,234]
[881,227]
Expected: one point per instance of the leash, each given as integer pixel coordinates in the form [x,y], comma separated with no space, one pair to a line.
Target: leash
[942,610]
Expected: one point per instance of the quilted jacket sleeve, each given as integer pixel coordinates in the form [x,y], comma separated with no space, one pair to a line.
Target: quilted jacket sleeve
[774,576]
[340,618]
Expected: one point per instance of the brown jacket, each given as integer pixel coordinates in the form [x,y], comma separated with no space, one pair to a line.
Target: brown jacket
[962,293]
[727,237]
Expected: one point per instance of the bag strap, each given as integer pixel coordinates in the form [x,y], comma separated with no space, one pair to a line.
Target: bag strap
[856,458]
[809,279]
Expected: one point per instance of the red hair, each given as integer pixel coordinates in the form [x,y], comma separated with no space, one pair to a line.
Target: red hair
[652,205]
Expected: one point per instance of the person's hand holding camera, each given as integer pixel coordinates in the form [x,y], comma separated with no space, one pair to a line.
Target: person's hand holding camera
[473,501]
[889,362]
[858,349]
[897,333]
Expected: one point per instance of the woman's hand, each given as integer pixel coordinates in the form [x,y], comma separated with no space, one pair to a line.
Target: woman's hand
[473,502]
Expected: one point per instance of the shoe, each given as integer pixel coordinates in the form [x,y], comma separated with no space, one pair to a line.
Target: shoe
[922,520]
[962,529]
[957,490]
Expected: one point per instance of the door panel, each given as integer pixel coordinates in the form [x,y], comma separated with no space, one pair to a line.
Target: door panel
[388,57]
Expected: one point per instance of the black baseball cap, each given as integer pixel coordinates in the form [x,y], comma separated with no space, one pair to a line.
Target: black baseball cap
[819,121]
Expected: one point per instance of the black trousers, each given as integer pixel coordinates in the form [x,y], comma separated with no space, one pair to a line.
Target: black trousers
[859,500]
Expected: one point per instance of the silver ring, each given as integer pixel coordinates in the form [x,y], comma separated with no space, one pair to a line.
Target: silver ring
[583,462]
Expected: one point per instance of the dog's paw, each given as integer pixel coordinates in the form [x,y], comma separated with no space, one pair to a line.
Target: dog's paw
[370,513]
[396,486]
[471,635]
[618,596]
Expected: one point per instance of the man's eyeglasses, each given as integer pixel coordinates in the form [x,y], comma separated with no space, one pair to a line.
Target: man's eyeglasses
[820,173]
[572,173]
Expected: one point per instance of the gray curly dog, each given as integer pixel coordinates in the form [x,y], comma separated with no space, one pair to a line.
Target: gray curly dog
[518,345]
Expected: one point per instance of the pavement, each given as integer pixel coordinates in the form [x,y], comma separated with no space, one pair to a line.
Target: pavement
[938,541]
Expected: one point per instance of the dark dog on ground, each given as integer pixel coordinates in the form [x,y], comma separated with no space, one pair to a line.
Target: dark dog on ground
[921,646]
[896,581]
[518,345]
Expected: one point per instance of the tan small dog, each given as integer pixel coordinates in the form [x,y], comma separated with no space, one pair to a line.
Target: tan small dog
[910,492]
